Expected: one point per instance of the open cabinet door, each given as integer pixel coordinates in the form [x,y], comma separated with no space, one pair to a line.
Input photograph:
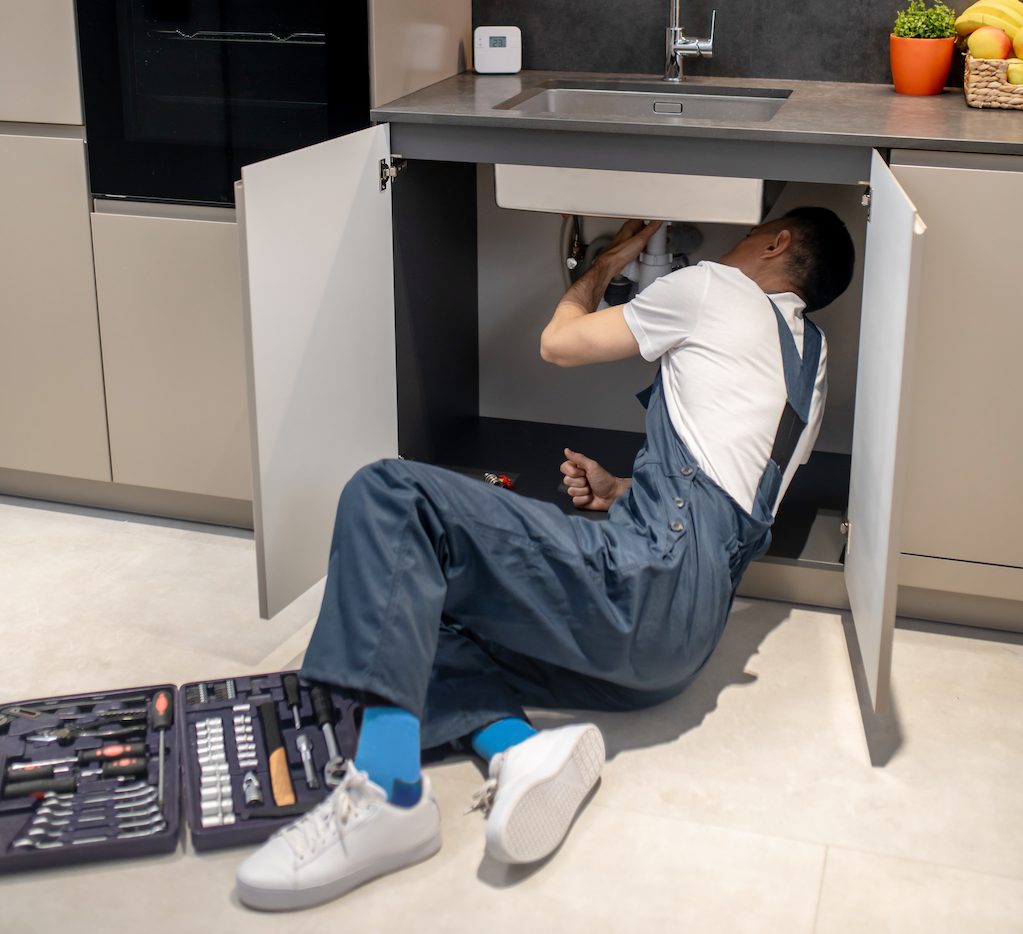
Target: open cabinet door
[890,286]
[317,270]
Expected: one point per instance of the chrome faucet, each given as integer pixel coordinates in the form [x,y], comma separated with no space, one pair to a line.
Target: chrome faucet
[681,46]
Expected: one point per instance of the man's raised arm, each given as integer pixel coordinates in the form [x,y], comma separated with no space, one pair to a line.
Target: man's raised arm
[579,334]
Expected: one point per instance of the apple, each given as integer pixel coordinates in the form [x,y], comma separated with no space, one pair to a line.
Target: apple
[989,42]
[1017,43]
[1015,73]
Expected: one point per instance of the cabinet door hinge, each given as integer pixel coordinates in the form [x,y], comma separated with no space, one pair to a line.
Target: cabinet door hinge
[391,168]
[865,199]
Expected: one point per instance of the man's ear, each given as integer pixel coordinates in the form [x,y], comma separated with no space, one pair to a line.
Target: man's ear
[781,242]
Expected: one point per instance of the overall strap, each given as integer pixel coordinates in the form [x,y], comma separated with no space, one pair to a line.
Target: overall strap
[644,394]
[800,379]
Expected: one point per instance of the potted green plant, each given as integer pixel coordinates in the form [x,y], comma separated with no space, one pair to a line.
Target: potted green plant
[922,43]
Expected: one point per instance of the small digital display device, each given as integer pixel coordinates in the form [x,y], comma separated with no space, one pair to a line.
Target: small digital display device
[497,50]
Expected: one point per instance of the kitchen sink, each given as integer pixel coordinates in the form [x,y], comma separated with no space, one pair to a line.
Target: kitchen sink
[652,100]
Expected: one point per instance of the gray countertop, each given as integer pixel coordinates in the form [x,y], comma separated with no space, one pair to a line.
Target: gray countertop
[818,112]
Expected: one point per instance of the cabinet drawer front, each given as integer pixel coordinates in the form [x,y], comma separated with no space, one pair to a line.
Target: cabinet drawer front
[173,349]
[983,580]
[39,62]
[52,416]
[963,500]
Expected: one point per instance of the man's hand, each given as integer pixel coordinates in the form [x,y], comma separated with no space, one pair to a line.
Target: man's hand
[628,243]
[589,484]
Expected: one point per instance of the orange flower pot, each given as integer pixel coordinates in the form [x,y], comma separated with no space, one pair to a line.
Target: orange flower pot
[920,66]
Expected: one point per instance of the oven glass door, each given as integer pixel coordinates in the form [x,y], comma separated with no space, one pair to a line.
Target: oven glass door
[179,94]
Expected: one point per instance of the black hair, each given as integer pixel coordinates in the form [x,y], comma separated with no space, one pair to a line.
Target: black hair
[821,256]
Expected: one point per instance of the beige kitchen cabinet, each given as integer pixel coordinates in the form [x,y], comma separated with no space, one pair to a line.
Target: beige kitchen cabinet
[413,45]
[52,414]
[170,310]
[362,307]
[963,507]
[39,62]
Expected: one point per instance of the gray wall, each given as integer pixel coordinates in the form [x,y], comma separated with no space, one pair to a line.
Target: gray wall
[816,40]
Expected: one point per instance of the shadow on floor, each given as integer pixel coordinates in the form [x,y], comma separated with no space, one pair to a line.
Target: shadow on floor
[748,626]
[881,731]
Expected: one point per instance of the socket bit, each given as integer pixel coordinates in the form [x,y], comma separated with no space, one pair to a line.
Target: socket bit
[305,747]
[251,789]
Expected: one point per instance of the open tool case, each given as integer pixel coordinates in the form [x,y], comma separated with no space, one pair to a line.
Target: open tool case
[87,808]
[100,797]
[226,737]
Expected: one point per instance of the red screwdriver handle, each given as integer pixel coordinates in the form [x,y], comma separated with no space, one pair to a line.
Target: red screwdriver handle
[112,751]
[125,767]
[161,710]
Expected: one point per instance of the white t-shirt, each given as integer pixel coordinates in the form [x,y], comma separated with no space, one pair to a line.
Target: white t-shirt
[721,368]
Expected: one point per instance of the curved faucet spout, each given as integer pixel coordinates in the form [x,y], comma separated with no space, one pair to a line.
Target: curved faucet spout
[678,45]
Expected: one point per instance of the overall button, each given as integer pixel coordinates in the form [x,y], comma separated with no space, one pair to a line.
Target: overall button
[687,471]
[677,526]
[680,503]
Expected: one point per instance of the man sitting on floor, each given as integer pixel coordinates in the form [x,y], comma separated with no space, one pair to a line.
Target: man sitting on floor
[451,604]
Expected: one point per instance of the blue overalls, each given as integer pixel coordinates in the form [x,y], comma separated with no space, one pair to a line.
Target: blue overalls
[462,602]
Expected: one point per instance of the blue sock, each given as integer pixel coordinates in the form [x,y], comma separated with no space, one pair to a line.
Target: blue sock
[499,736]
[389,753]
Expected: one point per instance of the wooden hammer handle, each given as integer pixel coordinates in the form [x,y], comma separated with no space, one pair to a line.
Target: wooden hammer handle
[277,757]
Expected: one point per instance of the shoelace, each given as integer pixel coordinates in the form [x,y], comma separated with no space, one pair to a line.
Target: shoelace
[311,831]
[483,800]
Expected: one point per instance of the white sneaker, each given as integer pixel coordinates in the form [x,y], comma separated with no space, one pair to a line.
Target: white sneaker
[535,789]
[349,838]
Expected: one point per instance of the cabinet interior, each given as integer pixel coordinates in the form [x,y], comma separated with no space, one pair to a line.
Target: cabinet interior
[474,286]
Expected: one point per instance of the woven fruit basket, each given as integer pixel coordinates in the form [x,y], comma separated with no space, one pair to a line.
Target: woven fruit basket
[986,84]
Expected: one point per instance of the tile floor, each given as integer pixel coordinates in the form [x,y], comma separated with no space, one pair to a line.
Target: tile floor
[748,804]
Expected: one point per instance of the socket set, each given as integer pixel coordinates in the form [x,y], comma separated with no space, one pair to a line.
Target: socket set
[87,777]
[217,801]
[257,752]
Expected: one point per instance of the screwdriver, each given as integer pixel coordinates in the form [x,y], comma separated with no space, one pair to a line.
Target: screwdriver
[65,736]
[64,784]
[111,751]
[292,697]
[109,768]
[161,716]
[34,783]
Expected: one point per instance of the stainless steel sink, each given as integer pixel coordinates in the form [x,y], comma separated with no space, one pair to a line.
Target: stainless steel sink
[652,101]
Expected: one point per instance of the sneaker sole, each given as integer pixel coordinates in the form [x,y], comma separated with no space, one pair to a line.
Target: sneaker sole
[275,900]
[542,816]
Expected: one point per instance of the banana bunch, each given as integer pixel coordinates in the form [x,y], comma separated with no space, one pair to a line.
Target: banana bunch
[1006,15]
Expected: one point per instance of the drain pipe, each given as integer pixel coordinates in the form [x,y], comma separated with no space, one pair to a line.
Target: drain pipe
[654,262]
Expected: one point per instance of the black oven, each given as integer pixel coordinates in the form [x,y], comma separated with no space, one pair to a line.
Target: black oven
[179,94]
